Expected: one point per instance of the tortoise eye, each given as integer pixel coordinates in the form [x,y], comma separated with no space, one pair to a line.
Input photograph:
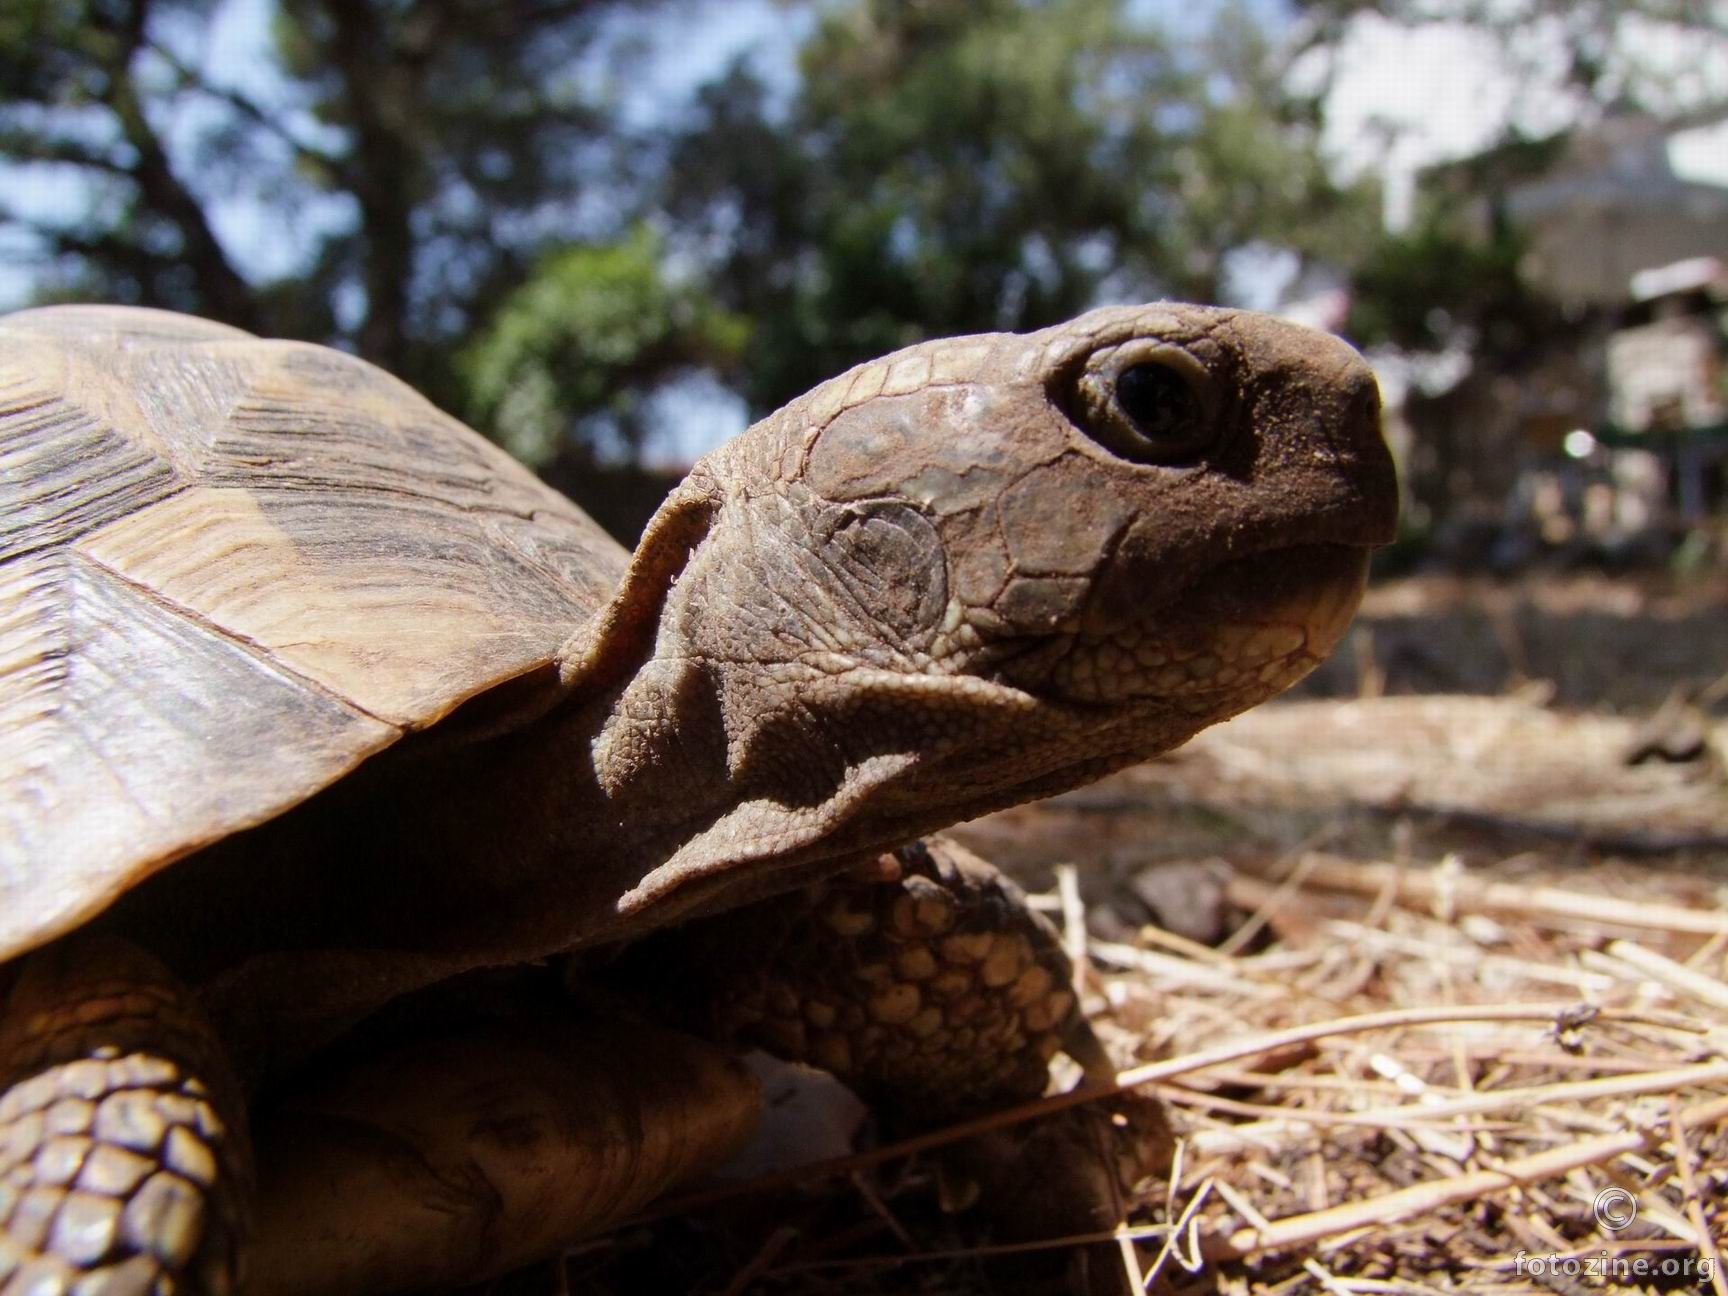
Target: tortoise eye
[1165,412]
[1159,410]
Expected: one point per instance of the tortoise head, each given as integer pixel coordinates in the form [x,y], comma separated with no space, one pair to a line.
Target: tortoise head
[989,568]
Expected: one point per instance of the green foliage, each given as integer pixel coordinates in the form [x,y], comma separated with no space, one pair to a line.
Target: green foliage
[951,166]
[580,344]
[419,154]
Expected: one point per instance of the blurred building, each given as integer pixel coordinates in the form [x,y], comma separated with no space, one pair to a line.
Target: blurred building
[1603,203]
[1620,432]
[1632,193]
[1665,381]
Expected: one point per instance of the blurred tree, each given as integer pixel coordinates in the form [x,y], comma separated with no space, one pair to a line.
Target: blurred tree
[425,153]
[1444,286]
[1450,279]
[74,94]
[583,343]
[960,165]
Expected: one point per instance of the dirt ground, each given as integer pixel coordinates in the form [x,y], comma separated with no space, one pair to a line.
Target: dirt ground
[1618,644]
[1428,964]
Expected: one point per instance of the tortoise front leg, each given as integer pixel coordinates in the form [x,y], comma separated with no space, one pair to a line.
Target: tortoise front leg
[124,1166]
[931,987]
[926,983]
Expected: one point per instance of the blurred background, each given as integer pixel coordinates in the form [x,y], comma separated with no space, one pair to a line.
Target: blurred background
[610,232]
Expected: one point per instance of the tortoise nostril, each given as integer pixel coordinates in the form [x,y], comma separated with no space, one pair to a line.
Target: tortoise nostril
[1359,425]
[1360,442]
[1364,411]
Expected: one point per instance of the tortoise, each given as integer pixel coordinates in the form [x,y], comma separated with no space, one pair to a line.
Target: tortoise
[312,699]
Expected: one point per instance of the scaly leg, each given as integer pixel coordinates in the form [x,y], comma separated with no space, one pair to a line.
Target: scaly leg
[926,984]
[932,988]
[124,1166]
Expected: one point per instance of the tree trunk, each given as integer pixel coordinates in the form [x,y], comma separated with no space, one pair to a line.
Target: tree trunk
[378,81]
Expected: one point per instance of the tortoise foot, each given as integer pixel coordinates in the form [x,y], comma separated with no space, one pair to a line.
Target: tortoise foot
[927,983]
[123,1162]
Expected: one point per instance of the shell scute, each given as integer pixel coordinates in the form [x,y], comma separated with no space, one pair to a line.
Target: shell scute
[230,570]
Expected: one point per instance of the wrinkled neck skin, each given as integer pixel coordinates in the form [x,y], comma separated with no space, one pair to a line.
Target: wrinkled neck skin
[804,708]
[784,719]
[703,776]
[702,779]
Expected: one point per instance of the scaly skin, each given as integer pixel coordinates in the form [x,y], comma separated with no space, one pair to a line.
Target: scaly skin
[926,983]
[124,1164]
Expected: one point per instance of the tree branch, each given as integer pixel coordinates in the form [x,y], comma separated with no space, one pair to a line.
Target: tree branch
[495,21]
[192,79]
[386,168]
[25,146]
[225,292]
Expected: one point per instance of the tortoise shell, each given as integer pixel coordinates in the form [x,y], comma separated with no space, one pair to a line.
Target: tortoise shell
[232,569]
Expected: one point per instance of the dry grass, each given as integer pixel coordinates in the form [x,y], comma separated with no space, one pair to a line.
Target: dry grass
[1434,1078]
